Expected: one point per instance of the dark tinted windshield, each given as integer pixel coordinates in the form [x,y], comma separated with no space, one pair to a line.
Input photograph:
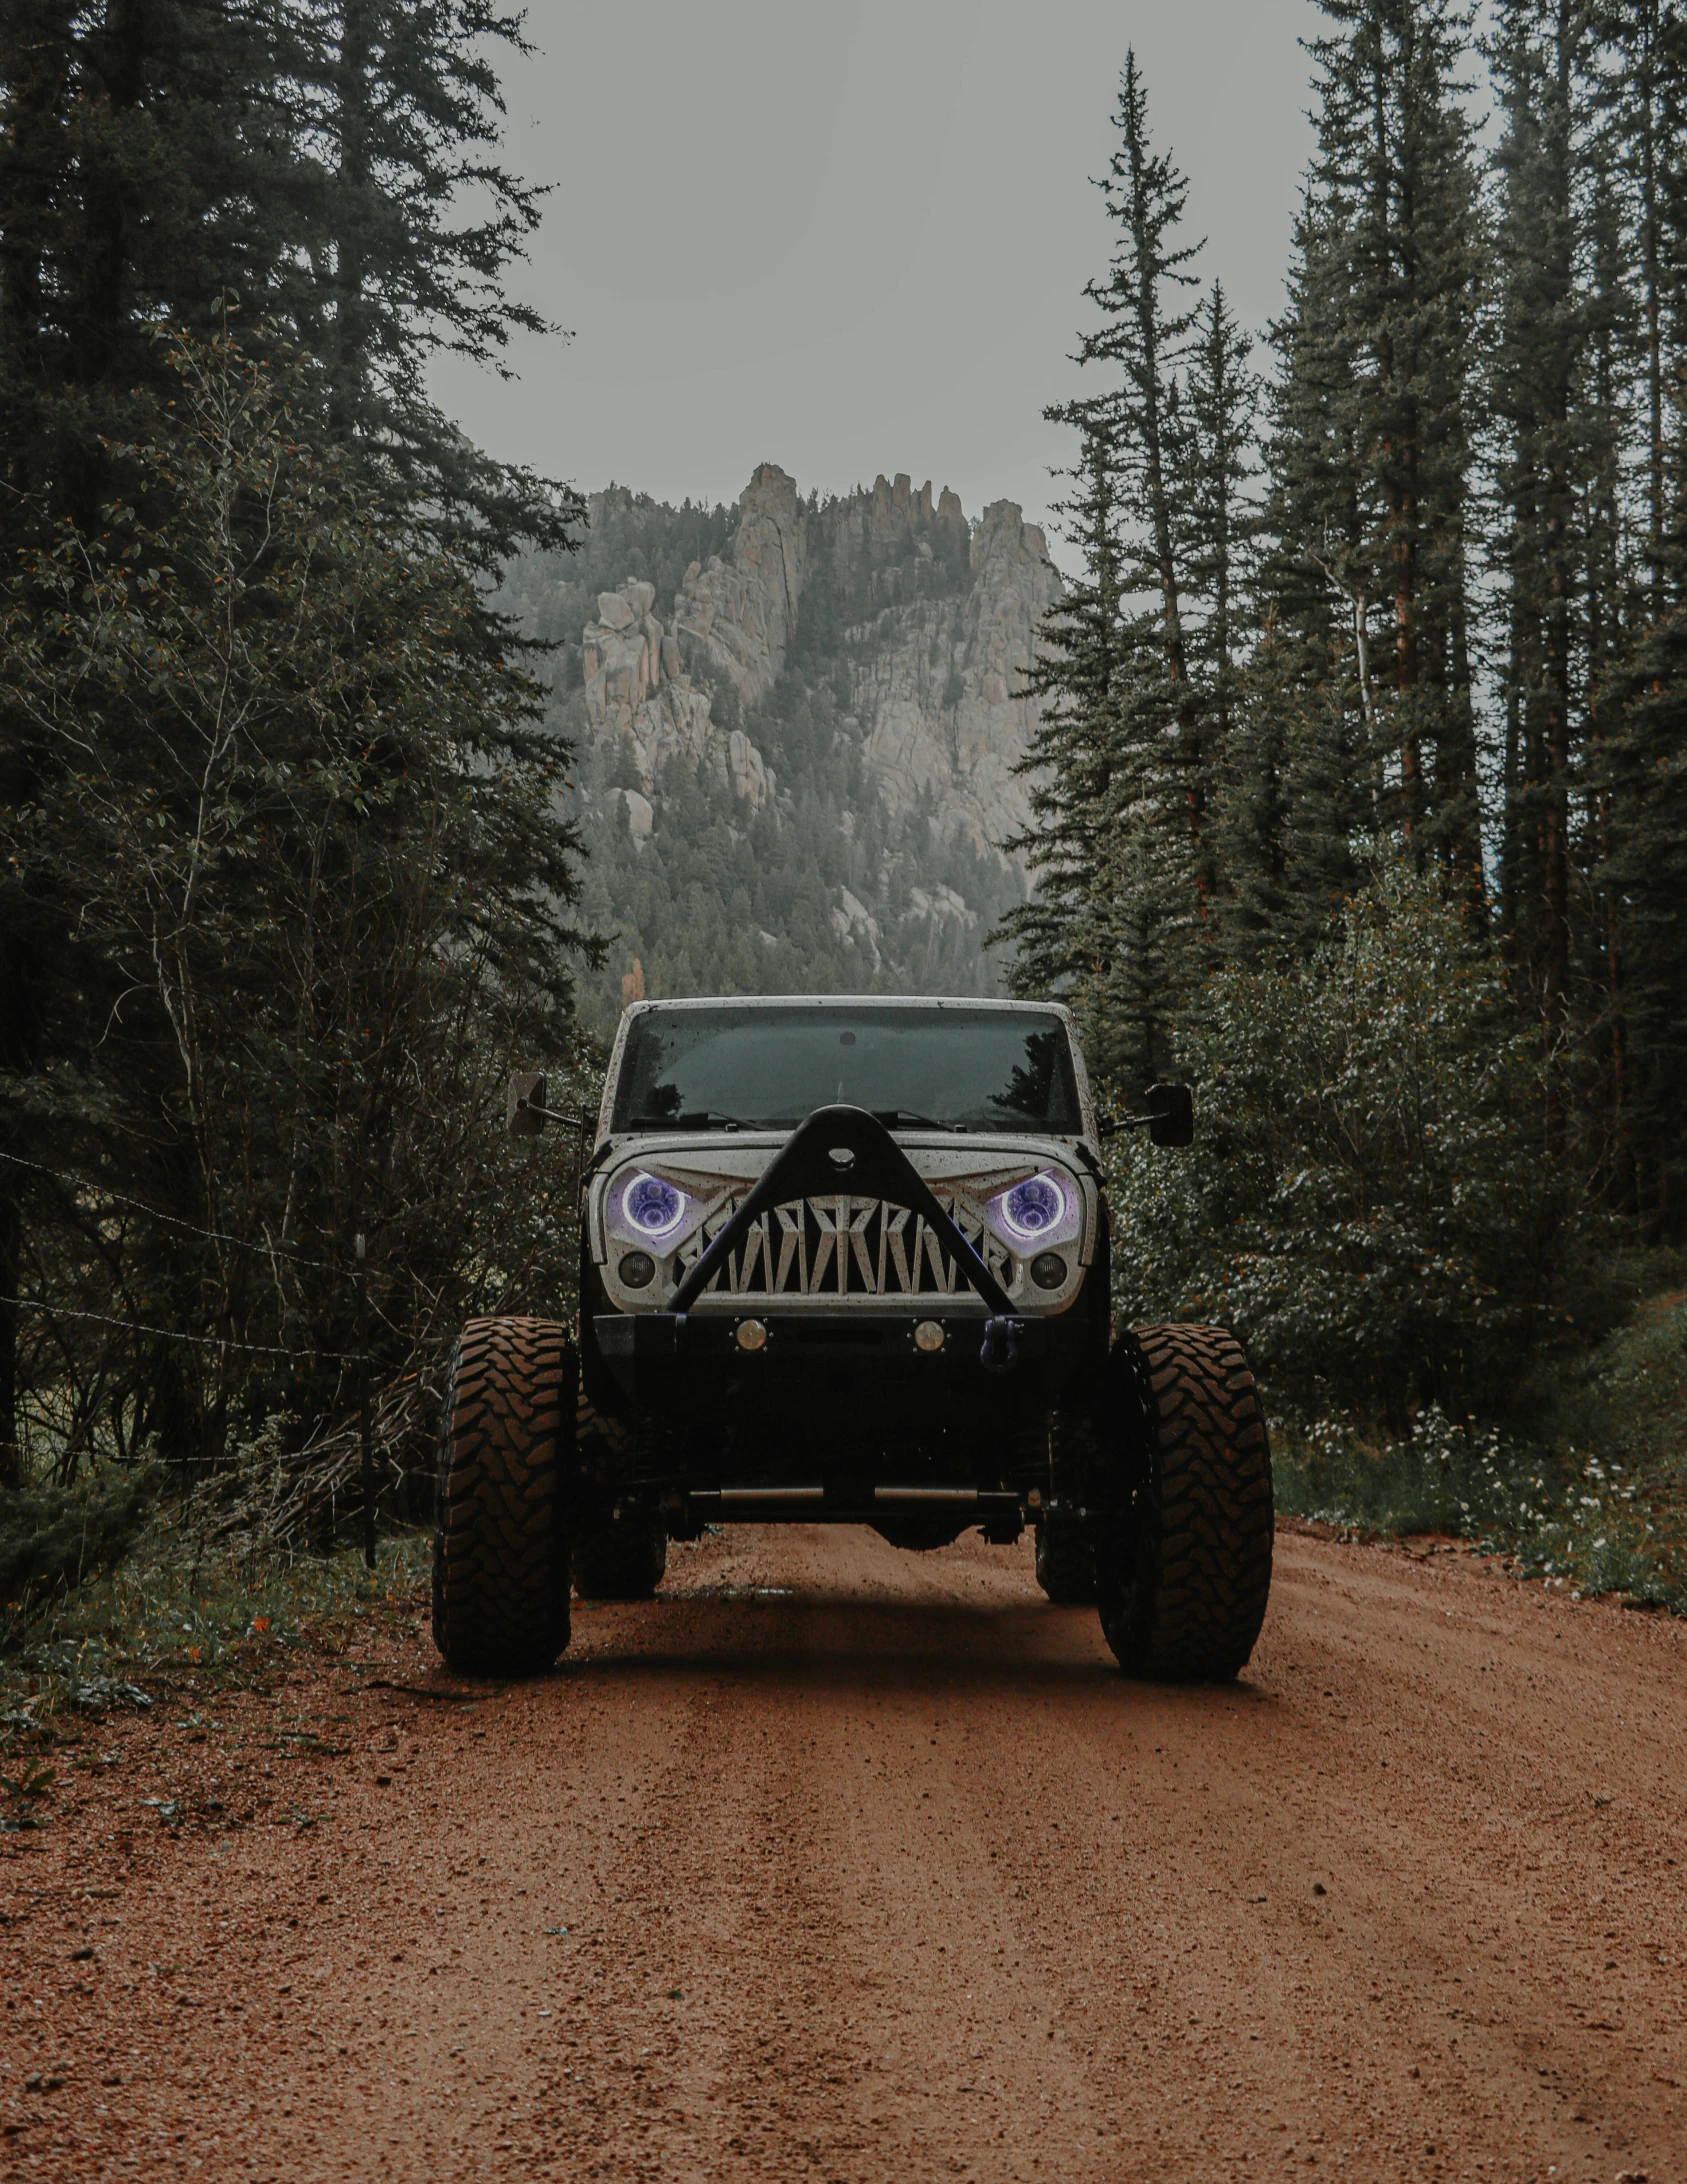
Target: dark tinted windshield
[978,1069]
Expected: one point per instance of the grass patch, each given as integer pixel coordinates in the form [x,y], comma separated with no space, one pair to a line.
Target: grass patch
[1588,1489]
[173,1610]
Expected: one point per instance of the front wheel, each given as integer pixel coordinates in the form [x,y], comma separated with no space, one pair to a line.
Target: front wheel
[500,1549]
[1183,1557]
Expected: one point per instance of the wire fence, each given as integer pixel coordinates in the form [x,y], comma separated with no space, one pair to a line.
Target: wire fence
[177,1334]
[373,1417]
[267,1249]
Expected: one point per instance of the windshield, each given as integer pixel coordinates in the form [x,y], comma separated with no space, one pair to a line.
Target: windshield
[972,1069]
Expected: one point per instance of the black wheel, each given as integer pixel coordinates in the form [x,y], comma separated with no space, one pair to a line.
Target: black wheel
[623,1559]
[1183,1554]
[1066,1562]
[500,1545]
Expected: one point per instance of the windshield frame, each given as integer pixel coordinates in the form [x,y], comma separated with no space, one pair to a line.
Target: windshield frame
[613,1120]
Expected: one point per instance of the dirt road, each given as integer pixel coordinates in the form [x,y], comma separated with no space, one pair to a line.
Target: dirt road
[837,1862]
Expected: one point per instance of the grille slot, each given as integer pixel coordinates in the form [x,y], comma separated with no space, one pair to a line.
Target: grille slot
[845,1246]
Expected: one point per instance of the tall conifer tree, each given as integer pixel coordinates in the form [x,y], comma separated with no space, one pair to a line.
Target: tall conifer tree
[1374,416]
[1139,691]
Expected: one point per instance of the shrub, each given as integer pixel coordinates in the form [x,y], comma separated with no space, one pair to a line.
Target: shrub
[53,1537]
[1370,1202]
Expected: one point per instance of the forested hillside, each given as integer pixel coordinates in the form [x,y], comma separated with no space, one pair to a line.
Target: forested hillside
[796,728]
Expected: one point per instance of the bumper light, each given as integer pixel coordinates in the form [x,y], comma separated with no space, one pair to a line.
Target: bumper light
[928,1336]
[751,1335]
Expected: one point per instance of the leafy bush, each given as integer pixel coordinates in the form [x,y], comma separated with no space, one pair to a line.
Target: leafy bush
[1584,1520]
[1370,1202]
[53,1537]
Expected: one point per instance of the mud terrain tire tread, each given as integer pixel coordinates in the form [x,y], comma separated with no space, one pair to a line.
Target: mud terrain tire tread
[1202,1523]
[500,1593]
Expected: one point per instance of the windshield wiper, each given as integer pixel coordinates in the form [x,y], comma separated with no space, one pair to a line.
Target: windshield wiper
[892,1115]
[695,1115]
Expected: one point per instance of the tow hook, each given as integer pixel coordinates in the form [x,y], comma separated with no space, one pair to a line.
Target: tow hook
[1000,1351]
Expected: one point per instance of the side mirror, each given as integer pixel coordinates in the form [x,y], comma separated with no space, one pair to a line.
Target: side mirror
[1171,1114]
[524,1114]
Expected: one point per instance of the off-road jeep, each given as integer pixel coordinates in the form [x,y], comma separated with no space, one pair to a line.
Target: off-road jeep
[846,1261]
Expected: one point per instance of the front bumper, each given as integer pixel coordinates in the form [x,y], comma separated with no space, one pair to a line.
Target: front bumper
[692,1368]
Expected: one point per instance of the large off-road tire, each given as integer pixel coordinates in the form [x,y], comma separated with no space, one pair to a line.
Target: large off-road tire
[500,1550]
[1066,1562]
[622,1559]
[1183,1559]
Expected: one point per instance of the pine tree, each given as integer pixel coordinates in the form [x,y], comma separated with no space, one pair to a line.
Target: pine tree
[1373,416]
[293,171]
[1222,518]
[1637,761]
[1538,58]
[1075,678]
[400,109]
[1137,697]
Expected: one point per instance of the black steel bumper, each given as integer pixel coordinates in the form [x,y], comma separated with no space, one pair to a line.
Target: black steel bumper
[692,1366]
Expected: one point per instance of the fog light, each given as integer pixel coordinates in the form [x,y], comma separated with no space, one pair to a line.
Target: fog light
[1048,1270]
[752,1335]
[928,1336]
[637,1269]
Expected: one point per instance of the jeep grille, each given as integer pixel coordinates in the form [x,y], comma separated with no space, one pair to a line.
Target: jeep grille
[813,1247]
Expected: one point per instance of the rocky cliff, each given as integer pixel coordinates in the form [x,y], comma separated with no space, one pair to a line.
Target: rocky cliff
[834,691]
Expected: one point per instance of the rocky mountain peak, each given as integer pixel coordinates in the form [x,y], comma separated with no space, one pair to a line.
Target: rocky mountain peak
[851,673]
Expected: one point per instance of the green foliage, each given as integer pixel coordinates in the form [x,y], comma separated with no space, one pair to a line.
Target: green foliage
[304,827]
[54,1538]
[1368,1202]
[327,169]
[1588,1489]
[179,1602]
[1422,959]
[1137,668]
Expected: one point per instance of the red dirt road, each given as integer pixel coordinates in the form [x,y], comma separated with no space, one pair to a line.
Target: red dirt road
[871,1866]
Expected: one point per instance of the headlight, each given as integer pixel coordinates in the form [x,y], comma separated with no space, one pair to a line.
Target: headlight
[653,1207]
[1034,1208]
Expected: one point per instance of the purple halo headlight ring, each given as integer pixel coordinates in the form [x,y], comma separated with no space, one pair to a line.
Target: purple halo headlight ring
[653,1208]
[1034,1209]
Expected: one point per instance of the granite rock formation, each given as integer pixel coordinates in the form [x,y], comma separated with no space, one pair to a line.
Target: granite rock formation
[796,725]
[938,628]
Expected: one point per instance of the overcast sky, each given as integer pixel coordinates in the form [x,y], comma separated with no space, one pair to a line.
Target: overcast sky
[852,236]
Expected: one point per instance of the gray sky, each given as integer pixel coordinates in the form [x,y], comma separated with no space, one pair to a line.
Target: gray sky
[851,237]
